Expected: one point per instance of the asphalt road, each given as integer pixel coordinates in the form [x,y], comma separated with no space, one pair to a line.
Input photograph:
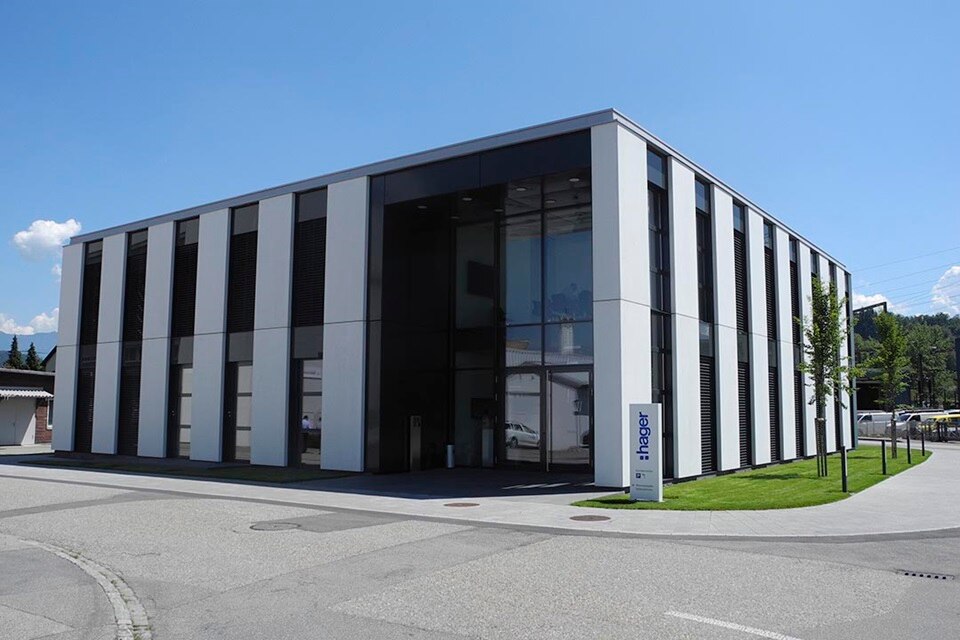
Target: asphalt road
[203,568]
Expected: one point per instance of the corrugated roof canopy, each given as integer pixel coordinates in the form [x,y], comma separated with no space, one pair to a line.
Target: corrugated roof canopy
[24,392]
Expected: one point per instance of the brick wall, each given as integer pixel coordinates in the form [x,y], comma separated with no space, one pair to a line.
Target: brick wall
[41,434]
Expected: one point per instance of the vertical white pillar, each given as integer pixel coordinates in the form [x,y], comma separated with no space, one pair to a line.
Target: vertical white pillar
[831,413]
[155,351]
[271,337]
[725,343]
[759,360]
[109,334]
[344,326]
[65,384]
[209,342]
[847,399]
[621,295]
[804,279]
[788,416]
[685,321]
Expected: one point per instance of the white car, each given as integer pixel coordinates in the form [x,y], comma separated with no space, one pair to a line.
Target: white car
[517,434]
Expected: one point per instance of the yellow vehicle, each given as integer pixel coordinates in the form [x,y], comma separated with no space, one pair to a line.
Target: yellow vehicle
[943,426]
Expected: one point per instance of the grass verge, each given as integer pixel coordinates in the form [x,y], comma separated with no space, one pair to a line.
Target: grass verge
[783,486]
[247,473]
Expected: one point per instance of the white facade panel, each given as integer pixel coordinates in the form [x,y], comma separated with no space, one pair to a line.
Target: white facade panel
[846,431]
[685,320]
[621,306]
[65,397]
[154,383]
[725,339]
[342,436]
[213,250]
[344,332]
[106,396]
[345,284]
[112,272]
[806,290]
[158,284]
[831,414]
[68,332]
[274,263]
[759,360]
[788,416]
[271,393]
[206,417]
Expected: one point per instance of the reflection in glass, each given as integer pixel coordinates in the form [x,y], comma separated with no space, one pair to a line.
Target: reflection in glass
[524,346]
[522,425]
[309,412]
[184,411]
[521,269]
[569,343]
[569,251]
[475,409]
[568,406]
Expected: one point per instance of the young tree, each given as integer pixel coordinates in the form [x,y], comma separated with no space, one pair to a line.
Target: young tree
[33,361]
[824,359]
[892,366]
[14,358]
[928,346]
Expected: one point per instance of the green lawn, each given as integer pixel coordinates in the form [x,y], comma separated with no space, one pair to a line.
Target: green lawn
[248,473]
[783,486]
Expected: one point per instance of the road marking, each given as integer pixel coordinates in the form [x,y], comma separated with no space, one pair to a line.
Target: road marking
[773,635]
[131,617]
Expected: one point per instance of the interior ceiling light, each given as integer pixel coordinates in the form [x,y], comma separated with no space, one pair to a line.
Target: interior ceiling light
[498,210]
[521,189]
[574,179]
[466,198]
[421,207]
[550,201]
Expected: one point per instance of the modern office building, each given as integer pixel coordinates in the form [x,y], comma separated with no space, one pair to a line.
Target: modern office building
[510,296]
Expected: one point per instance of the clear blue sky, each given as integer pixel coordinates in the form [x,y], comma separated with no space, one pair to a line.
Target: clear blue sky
[841,118]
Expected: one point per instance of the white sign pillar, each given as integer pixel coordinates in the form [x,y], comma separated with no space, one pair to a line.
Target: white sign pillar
[646,464]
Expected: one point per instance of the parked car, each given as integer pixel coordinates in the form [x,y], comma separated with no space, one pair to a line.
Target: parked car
[518,434]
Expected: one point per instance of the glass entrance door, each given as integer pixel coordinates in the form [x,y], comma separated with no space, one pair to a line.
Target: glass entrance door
[569,410]
[522,425]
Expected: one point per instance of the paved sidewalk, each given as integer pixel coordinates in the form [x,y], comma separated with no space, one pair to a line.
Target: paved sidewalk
[923,499]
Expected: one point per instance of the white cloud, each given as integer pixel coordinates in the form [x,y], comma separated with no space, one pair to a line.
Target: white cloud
[41,323]
[44,238]
[56,271]
[946,293]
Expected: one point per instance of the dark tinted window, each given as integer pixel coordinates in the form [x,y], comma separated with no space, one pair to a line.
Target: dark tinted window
[656,169]
[703,196]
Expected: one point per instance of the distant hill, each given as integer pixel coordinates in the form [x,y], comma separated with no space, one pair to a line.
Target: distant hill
[44,342]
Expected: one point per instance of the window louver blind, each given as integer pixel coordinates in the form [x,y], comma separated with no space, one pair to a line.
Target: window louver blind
[800,413]
[133,295]
[740,278]
[743,390]
[775,453]
[129,409]
[707,432]
[90,305]
[309,268]
[184,289]
[241,293]
[795,303]
[771,294]
[83,428]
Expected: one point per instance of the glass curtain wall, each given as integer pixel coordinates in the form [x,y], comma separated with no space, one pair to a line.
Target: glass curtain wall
[799,414]
[306,380]
[773,379]
[128,422]
[181,345]
[660,305]
[87,365]
[708,421]
[743,337]
[241,302]
[480,279]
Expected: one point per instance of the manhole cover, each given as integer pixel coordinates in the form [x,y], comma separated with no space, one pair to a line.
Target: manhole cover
[462,504]
[589,518]
[274,526]
[925,574]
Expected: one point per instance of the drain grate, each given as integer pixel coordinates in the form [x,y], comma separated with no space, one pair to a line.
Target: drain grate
[590,518]
[925,574]
[462,504]
[274,526]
